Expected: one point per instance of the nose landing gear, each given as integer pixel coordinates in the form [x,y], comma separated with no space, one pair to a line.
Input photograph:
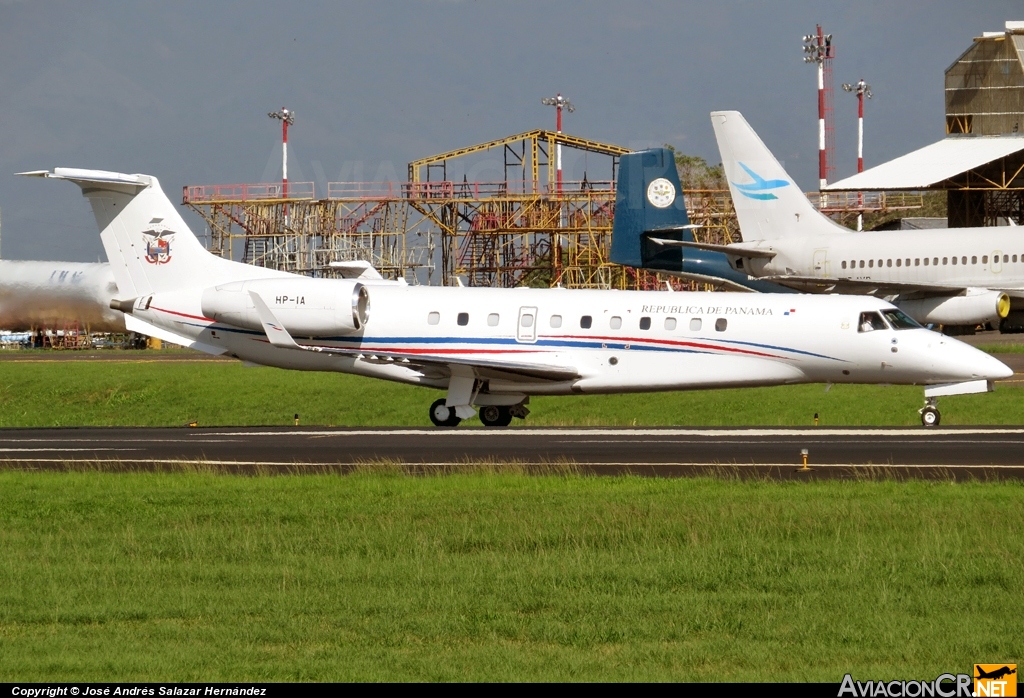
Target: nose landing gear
[930,413]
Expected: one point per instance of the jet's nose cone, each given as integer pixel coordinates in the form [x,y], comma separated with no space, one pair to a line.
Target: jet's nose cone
[976,364]
[998,370]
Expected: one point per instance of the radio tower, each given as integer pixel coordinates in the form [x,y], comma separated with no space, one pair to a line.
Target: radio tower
[819,48]
[558,101]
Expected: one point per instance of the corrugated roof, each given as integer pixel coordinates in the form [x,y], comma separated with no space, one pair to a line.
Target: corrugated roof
[932,164]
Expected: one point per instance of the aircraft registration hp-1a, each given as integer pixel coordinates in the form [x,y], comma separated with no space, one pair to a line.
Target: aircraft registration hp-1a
[492,348]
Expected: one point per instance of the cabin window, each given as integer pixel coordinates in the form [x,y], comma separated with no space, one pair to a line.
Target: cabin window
[526,320]
[1006,258]
[954,261]
[862,264]
[616,322]
[944,260]
[908,261]
[645,323]
[586,321]
[880,263]
[695,324]
[433,318]
[888,262]
[917,261]
[926,261]
[492,320]
[670,323]
[556,321]
[964,260]
[974,260]
[984,259]
[463,319]
[1014,259]
[869,322]
[899,262]
[720,324]
[844,264]
[871,263]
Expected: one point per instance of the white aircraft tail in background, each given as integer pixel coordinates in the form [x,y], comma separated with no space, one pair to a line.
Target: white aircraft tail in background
[959,277]
[768,202]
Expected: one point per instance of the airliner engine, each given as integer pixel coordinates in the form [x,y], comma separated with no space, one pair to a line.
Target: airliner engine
[978,306]
[306,307]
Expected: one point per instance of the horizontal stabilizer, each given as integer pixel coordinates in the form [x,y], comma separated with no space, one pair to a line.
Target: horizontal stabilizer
[733,250]
[75,174]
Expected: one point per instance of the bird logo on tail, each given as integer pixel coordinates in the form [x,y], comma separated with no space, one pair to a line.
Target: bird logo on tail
[760,188]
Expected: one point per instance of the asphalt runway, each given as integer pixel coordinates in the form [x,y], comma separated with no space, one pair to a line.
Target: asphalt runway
[956,453]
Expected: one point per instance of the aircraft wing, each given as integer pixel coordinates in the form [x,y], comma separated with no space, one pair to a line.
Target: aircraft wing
[278,336]
[820,284]
[734,250]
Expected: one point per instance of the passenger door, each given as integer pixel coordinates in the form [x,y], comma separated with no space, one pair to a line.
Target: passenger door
[526,329]
[820,265]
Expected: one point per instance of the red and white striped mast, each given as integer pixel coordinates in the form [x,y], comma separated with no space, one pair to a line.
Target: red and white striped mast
[558,102]
[862,90]
[818,46]
[287,118]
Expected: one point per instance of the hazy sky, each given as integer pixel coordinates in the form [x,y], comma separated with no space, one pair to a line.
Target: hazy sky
[181,90]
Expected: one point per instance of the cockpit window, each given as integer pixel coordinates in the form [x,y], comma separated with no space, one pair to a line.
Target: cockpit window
[900,320]
[870,322]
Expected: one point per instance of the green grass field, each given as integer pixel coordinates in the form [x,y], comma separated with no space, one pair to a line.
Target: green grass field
[73,393]
[502,576]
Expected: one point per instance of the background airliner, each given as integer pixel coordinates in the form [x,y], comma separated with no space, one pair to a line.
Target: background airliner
[493,348]
[960,276]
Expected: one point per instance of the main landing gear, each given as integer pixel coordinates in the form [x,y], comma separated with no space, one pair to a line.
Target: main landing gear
[491,415]
[442,415]
[930,413]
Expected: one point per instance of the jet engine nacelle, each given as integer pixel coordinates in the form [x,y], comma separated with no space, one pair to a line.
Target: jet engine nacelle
[306,307]
[977,307]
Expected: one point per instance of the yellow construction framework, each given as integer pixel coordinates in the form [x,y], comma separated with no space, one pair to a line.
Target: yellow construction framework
[527,229]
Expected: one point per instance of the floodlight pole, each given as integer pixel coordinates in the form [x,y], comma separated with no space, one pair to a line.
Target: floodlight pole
[819,48]
[558,101]
[861,89]
[287,118]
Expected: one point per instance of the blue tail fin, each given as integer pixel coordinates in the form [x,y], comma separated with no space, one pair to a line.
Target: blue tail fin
[648,197]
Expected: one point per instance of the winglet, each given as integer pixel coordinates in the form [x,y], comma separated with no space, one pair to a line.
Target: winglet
[276,333]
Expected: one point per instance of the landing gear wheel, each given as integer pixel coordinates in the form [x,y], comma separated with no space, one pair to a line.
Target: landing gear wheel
[442,415]
[495,416]
[930,416]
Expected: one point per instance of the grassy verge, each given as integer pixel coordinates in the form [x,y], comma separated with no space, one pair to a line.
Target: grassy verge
[491,576]
[171,394]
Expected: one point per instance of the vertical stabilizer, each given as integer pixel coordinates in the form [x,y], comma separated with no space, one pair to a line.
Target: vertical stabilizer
[769,204]
[149,246]
[648,197]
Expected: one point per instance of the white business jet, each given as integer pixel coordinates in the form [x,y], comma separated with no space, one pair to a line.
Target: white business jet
[962,276]
[493,348]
